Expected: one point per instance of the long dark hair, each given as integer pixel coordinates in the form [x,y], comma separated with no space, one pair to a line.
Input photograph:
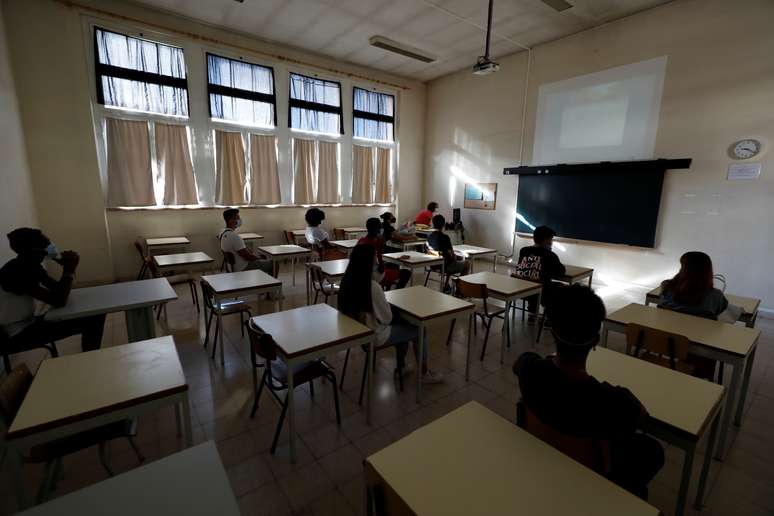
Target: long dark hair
[355,291]
[694,281]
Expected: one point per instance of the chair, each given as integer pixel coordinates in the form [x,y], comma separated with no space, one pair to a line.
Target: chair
[365,369]
[289,237]
[659,347]
[275,375]
[8,349]
[339,234]
[595,454]
[224,307]
[485,307]
[229,261]
[12,392]
[175,280]
[143,258]
[321,285]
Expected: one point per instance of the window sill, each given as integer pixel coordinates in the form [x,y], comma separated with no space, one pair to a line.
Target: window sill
[245,207]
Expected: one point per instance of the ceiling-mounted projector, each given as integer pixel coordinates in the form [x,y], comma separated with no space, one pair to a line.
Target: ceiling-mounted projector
[484,65]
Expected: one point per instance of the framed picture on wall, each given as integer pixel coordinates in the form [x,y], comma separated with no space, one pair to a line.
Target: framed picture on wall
[480,196]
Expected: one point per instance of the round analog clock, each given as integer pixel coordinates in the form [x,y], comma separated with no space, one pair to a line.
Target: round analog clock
[745,149]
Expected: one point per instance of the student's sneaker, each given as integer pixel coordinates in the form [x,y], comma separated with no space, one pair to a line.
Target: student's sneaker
[432,377]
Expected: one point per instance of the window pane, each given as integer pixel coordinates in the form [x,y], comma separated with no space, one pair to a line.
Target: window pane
[317,121]
[237,74]
[142,96]
[373,129]
[314,90]
[373,102]
[244,111]
[138,54]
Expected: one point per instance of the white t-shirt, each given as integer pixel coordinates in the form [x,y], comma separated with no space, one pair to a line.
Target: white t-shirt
[315,235]
[231,242]
[380,319]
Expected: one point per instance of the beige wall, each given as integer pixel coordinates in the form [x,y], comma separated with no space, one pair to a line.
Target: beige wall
[719,87]
[53,81]
[17,207]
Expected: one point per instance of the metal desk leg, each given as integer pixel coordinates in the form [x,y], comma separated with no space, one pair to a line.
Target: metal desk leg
[278,299]
[728,409]
[370,366]
[17,472]
[603,337]
[685,481]
[178,421]
[187,429]
[707,461]
[745,385]
[591,276]
[470,341]
[505,331]
[140,324]
[220,336]
[420,358]
[291,413]
[308,293]
[293,266]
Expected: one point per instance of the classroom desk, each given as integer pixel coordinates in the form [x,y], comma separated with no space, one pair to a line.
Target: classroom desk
[413,260]
[135,298]
[472,461]
[352,232]
[281,252]
[455,235]
[200,488]
[573,274]
[472,252]
[299,233]
[406,245]
[78,392]
[680,407]
[731,344]
[345,245]
[156,245]
[182,260]
[508,289]
[331,270]
[749,305]
[420,306]
[238,284]
[250,236]
[312,332]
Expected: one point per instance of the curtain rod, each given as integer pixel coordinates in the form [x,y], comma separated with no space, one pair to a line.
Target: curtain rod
[199,37]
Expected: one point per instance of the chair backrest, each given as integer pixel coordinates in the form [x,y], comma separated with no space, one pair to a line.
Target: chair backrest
[592,453]
[317,278]
[642,338]
[261,343]
[140,248]
[719,278]
[153,268]
[339,234]
[12,392]
[229,260]
[207,294]
[471,290]
[289,237]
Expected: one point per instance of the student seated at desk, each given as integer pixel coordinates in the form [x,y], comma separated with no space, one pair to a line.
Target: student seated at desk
[26,287]
[562,395]
[539,263]
[425,217]
[363,299]
[390,273]
[390,234]
[441,243]
[318,237]
[231,242]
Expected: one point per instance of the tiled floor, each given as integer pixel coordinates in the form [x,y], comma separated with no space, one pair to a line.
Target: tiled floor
[327,477]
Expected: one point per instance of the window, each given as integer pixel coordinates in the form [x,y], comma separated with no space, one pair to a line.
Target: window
[140,75]
[315,105]
[241,92]
[373,115]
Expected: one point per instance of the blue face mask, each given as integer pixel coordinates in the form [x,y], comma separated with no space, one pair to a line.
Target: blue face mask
[51,251]
[239,222]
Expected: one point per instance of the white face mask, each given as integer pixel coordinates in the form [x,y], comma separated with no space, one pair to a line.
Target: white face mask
[239,222]
[51,251]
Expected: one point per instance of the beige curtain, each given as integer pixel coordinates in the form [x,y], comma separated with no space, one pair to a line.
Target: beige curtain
[229,168]
[264,179]
[303,170]
[328,173]
[383,167]
[129,173]
[173,158]
[362,174]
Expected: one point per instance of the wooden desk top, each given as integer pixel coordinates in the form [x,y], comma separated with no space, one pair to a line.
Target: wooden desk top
[250,236]
[574,272]
[284,250]
[472,250]
[180,259]
[299,232]
[730,338]
[414,258]
[201,488]
[502,285]
[332,268]
[179,240]
[231,282]
[679,401]
[749,305]
[472,461]
[424,304]
[346,244]
[353,229]
[85,385]
[115,297]
[310,328]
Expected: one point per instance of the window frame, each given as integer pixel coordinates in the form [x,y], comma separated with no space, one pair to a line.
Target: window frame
[103,70]
[217,89]
[356,113]
[314,106]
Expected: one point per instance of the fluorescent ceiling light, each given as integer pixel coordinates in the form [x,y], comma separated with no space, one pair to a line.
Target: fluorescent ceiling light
[400,48]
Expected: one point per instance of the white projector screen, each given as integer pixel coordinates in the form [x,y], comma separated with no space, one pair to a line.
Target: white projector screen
[610,115]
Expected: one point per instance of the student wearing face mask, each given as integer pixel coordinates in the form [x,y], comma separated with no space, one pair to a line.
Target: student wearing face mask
[391,274]
[231,242]
[540,264]
[26,289]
